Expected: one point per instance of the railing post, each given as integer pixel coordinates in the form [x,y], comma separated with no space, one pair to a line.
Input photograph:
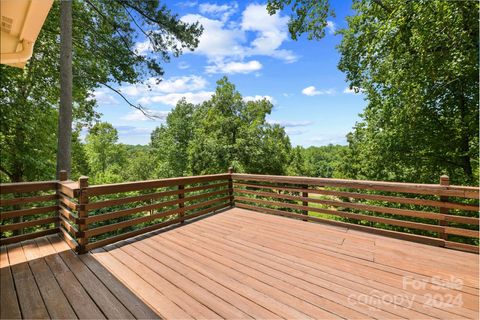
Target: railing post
[444,181]
[82,213]
[181,204]
[305,203]
[230,186]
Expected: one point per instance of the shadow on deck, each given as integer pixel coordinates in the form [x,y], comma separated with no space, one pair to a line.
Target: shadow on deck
[241,264]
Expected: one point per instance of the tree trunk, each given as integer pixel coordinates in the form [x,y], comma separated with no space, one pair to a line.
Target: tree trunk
[65,109]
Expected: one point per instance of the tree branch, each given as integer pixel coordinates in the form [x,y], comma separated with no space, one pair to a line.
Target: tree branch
[138,107]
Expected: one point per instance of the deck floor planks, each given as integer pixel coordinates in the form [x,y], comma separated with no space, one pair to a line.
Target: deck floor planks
[398,246]
[250,286]
[31,302]
[394,245]
[157,275]
[53,297]
[395,270]
[81,302]
[347,267]
[135,305]
[104,299]
[418,264]
[216,276]
[331,273]
[340,288]
[235,264]
[9,308]
[161,304]
[304,291]
[226,293]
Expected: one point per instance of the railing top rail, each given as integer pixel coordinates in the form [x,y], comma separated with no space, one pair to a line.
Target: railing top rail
[150,184]
[403,187]
[19,187]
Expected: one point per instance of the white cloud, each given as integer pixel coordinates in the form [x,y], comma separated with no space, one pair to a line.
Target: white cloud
[172,98]
[171,85]
[295,131]
[224,10]
[217,40]
[234,67]
[312,91]
[142,47]
[353,90]
[291,124]
[258,97]
[271,32]
[137,115]
[225,42]
[331,27]
[131,130]
[103,97]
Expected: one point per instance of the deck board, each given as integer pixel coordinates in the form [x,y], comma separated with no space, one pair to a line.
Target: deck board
[240,264]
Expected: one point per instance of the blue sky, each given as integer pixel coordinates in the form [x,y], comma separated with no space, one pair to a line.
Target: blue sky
[310,95]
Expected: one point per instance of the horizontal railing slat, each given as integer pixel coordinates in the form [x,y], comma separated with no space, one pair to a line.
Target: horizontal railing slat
[134,233]
[26,212]
[135,221]
[67,214]
[355,216]
[150,196]
[21,225]
[355,195]
[131,222]
[72,243]
[126,212]
[401,187]
[365,207]
[68,226]
[152,184]
[67,202]
[24,187]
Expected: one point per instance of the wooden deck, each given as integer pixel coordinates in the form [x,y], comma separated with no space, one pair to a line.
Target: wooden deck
[241,264]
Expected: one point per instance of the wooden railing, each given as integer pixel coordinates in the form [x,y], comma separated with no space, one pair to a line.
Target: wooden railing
[89,217]
[441,215]
[108,213]
[29,210]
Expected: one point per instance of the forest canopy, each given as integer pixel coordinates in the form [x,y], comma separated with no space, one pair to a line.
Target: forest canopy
[416,62]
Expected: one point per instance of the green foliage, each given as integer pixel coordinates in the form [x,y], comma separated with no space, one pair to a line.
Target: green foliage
[417,63]
[103,54]
[308,16]
[324,161]
[104,156]
[221,132]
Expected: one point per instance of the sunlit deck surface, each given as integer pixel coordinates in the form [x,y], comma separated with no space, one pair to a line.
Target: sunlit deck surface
[241,264]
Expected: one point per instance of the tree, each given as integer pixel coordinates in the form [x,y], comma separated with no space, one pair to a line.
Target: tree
[172,141]
[323,161]
[417,64]
[64,156]
[221,132]
[104,39]
[104,156]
